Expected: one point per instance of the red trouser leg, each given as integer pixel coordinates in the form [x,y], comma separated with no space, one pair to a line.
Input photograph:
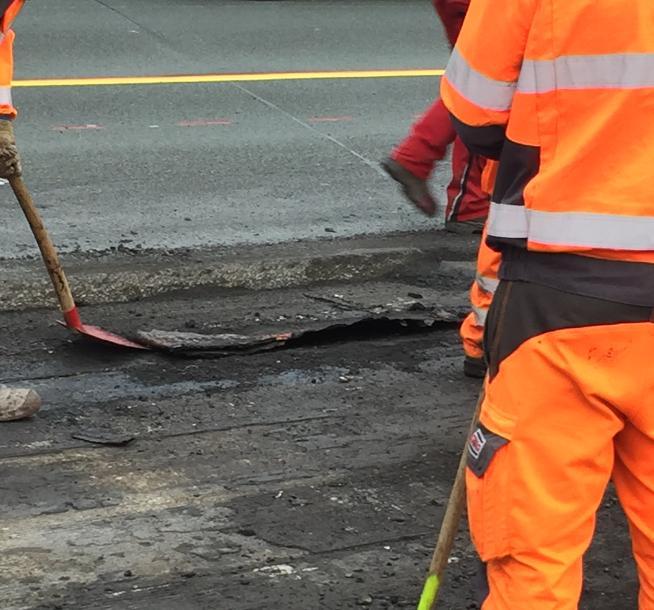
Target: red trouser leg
[466,199]
[427,141]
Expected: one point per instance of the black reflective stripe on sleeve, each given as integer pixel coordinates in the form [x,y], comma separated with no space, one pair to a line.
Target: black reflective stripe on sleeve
[482,447]
[486,141]
[519,163]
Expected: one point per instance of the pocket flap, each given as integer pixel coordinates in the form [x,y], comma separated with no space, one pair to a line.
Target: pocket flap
[482,446]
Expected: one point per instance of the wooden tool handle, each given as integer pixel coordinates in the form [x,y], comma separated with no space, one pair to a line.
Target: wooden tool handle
[450,524]
[455,506]
[48,251]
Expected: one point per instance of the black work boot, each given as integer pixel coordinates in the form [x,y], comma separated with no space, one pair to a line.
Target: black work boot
[474,367]
[415,189]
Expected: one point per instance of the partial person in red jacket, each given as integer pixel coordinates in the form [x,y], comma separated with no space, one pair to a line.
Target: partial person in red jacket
[411,164]
[412,161]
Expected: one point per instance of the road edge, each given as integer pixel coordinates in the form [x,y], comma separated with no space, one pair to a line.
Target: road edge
[124,276]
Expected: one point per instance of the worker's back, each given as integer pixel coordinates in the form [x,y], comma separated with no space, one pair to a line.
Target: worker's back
[575,171]
[561,92]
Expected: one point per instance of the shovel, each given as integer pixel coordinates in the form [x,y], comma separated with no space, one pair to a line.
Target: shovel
[450,524]
[57,276]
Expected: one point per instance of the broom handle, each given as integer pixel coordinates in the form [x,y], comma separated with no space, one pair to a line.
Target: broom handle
[48,251]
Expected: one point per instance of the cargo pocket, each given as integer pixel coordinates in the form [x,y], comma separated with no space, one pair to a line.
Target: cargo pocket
[489,490]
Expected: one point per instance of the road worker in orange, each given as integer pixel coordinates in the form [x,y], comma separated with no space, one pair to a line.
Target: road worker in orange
[562,95]
[15,403]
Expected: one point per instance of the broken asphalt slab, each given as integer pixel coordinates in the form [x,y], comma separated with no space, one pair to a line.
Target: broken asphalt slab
[329,313]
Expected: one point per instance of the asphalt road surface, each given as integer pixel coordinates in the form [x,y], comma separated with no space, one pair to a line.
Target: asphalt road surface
[306,478]
[298,479]
[186,165]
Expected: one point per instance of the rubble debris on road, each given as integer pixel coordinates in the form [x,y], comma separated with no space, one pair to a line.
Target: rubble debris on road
[103,437]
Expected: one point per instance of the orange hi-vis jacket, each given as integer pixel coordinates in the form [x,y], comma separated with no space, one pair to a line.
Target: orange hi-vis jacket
[9,9]
[562,93]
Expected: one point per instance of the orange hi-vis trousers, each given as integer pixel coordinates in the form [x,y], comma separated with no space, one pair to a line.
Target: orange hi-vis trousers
[481,296]
[569,405]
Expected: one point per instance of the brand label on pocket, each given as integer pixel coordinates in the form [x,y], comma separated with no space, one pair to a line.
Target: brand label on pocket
[482,447]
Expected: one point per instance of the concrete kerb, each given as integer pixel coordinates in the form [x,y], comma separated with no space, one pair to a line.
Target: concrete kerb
[115,278]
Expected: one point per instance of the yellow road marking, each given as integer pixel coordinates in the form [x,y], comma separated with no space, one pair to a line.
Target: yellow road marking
[104,81]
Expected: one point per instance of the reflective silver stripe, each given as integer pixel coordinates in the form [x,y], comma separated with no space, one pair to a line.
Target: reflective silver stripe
[5,96]
[487,284]
[477,88]
[480,315]
[581,229]
[613,71]
[508,221]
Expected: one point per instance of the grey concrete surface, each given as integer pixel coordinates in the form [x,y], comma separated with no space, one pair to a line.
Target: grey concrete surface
[273,172]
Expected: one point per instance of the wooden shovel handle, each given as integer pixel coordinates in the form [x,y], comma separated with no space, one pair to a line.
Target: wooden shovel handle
[48,251]
[455,505]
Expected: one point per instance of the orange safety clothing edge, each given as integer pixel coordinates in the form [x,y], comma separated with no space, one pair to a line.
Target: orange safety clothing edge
[9,14]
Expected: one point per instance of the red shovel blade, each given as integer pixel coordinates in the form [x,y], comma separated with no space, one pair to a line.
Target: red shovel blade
[73,322]
[99,334]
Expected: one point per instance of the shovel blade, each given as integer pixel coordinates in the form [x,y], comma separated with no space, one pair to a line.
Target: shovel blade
[74,323]
[99,334]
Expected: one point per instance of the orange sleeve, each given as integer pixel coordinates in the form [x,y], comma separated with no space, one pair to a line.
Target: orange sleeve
[6,74]
[482,74]
[10,10]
